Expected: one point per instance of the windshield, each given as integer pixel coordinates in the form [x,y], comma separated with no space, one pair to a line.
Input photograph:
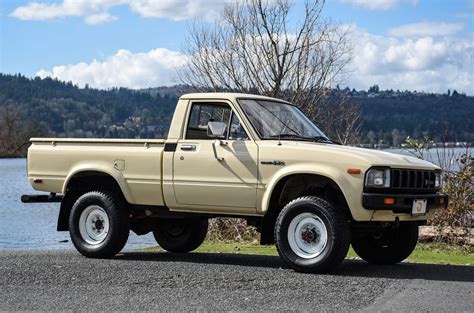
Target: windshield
[273,120]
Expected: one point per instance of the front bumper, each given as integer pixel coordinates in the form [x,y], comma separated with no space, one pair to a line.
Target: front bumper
[402,203]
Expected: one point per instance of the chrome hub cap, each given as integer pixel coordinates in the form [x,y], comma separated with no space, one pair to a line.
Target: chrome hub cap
[94,225]
[307,235]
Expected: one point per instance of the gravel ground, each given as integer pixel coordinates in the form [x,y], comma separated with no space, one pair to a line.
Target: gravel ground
[64,280]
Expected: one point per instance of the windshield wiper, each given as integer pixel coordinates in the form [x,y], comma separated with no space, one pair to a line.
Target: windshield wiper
[287,135]
[314,138]
[324,139]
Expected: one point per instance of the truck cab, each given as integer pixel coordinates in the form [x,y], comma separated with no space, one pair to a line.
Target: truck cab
[238,155]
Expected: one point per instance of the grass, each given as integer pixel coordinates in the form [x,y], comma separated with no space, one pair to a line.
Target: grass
[442,254]
[424,252]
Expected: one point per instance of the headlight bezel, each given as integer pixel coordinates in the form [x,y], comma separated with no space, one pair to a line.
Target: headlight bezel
[377,173]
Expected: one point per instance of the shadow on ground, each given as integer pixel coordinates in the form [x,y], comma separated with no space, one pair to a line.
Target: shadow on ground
[348,268]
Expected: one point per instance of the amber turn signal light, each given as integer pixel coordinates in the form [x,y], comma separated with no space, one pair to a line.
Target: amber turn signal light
[441,200]
[353,171]
[388,201]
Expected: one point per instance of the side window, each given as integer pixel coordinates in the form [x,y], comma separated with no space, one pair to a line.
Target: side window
[201,114]
[236,132]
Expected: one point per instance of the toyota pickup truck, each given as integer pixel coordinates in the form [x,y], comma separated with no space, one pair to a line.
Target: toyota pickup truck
[243,156]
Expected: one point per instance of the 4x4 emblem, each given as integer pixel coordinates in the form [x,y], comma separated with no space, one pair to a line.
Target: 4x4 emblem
[275,162]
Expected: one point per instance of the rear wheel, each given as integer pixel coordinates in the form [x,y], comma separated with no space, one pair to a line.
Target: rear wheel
[390,247]
[99,224]
[181,235]
[311,235]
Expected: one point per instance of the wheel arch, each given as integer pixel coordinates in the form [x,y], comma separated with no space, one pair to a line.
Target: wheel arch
[293,184]
[329,173]
[100,170]
[84,179]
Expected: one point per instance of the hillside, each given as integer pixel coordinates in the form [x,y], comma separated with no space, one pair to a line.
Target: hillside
[31,107]
[391,116]
[67,111]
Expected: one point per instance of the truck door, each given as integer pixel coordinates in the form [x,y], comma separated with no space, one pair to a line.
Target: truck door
[215,173]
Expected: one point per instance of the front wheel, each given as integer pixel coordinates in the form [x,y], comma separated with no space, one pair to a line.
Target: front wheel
[311,235]
[99,224]
[390,247]
[181,235]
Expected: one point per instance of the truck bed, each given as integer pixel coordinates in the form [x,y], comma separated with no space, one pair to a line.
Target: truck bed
[136,164]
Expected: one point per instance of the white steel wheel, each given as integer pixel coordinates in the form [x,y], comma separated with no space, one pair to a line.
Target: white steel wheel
[94,225]
[307,235]
[311,235]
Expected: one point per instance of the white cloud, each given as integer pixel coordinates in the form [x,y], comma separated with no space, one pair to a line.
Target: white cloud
[157,67]
[379,5]
[375,5]
[99,18]
[464,15]
[177,9]
[97,11]
[427,63]
[94,11]
[426,29]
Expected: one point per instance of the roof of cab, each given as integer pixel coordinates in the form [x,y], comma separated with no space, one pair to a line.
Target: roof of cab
[233,96]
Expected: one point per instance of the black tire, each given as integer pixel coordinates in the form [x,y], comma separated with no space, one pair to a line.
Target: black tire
[392,247]
[337,233]
[181,236]
[118,220]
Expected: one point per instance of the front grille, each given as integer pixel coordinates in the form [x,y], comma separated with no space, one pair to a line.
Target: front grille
[412,179]
[408,181]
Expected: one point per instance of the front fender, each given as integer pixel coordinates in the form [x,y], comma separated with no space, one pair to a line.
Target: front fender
[100,167]
[350,185]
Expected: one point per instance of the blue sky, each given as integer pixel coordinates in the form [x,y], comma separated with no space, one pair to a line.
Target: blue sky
[401,44]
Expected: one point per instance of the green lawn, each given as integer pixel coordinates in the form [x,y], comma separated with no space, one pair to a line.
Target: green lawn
[424,253]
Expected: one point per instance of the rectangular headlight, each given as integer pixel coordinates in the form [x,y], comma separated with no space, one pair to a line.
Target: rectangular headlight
[378,177]
[437,179]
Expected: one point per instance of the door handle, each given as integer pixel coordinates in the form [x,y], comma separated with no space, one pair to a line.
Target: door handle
[214,142]
[188,147]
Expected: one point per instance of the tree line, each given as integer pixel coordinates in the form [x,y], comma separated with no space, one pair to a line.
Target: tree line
[389,116]
[48,107]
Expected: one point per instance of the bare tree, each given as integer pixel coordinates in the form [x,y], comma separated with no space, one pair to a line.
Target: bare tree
[14,131]
[340,118]
[253,47]
[10,118]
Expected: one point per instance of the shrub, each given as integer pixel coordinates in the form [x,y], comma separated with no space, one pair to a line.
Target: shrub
[453,225]
[231,229]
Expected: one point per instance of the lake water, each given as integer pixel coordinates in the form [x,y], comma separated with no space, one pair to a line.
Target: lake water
[440,156]
[33,226]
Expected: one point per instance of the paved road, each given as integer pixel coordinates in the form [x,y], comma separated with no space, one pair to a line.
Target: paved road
[64,280]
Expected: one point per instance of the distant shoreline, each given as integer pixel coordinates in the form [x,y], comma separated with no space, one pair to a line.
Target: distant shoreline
[12,157]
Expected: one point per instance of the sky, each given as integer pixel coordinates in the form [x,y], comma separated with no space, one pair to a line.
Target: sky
[422,45]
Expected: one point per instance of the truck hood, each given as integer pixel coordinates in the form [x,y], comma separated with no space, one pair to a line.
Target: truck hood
[369,156]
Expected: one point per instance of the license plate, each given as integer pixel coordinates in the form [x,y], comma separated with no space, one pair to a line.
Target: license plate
[419,207]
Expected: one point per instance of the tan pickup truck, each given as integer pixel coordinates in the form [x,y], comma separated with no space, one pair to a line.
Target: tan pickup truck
[238,155]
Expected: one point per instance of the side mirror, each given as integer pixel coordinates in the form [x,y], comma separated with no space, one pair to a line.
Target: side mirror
[216,129]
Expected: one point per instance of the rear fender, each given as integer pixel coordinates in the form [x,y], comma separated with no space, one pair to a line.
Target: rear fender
[103,168]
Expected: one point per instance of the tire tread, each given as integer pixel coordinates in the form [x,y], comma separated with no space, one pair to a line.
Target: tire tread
[116,209]
[336,217]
